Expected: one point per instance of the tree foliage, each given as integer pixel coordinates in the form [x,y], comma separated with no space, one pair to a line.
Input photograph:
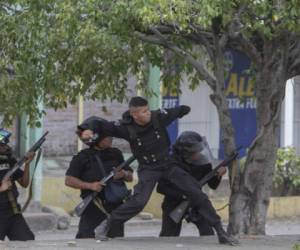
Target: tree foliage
[54,50]
[287,171]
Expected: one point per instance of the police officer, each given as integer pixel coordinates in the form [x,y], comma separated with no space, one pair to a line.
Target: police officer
[86,170]
[12,222]
[147,135]
[193,155]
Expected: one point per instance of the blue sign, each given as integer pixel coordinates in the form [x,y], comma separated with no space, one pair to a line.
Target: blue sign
[240,96]
[171,102]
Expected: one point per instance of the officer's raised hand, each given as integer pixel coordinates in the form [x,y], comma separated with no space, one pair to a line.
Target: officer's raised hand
[5,185]
[29,157]
[123,174]
[86,134]
[119,175]
[96,186]
[221,171]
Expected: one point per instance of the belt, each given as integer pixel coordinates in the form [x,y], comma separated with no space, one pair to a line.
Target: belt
[152,159]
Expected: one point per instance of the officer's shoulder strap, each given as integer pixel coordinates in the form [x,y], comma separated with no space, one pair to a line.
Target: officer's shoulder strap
[84,151]
[132,132]
[155,120]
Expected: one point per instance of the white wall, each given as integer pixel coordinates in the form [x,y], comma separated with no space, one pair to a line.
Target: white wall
[203,117]
[296,139]
[291,130]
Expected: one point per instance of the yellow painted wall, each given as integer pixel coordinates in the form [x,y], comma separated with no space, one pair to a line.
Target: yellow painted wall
[55,193]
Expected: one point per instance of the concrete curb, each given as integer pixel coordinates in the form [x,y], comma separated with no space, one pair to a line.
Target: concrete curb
[63,218]
[41,221]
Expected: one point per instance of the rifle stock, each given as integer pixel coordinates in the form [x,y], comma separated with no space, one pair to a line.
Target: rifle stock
[79,209]
[177,214]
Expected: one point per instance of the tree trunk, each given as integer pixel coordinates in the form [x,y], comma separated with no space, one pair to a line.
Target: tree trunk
[248,206]
[251,193]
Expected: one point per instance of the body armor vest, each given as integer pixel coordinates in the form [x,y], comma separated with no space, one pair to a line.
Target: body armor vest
[152,145]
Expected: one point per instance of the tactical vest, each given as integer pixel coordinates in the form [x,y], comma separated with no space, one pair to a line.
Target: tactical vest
[11,193]
[151,147]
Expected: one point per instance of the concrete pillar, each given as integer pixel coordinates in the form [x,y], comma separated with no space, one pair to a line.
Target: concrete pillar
[154,85]
[289,114]
[79,118]
[28,136]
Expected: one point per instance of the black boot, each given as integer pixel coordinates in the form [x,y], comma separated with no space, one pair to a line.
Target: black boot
[102,229]
[224,237]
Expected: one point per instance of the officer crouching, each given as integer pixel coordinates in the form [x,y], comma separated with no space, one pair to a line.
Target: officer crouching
[193,155]
[86,170]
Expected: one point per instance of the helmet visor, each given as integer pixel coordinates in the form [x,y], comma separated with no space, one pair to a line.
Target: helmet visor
[200,154]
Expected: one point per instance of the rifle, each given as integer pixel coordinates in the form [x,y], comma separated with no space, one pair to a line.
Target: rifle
[20,163]
[177,214]
[79,209]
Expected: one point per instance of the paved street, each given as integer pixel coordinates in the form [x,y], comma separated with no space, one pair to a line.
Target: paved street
[142,235]
[152,243]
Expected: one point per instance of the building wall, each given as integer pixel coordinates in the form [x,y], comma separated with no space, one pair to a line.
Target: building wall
[62,123]
[203,117]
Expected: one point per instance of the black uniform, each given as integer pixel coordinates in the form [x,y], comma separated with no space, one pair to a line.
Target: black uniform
[173,197]
[150,146]
[84,167]
[12,222]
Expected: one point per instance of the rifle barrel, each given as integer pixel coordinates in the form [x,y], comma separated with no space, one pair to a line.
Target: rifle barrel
[79,209]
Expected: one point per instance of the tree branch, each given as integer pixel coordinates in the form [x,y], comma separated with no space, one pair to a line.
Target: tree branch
[198,36]
[159,39]
[204,39]
[294,60]
[249,48]
[149,38]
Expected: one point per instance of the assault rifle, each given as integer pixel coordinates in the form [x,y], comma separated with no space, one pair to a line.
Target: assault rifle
[79,209]
[20,163]
[177,214]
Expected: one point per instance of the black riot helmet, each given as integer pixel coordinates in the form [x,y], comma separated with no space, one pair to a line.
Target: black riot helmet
[5,149]
[192,148]
[94,124]
[4,136]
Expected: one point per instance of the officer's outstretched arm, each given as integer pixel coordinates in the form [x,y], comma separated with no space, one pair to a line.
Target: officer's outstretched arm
[167,116]
[126,175]
[114,129]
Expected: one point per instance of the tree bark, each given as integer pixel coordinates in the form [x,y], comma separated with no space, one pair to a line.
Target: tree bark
[248,206]
[249,203]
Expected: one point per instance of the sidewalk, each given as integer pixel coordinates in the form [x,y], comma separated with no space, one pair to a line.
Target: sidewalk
[167,243]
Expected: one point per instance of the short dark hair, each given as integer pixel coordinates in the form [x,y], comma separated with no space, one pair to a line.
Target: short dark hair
[137,101]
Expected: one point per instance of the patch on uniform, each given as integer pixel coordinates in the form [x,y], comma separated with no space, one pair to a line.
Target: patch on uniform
[4,167]
[163,111]
[117,123]
[3,157]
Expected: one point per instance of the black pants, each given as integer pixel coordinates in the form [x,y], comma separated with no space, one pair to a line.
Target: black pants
[15,228]
[170,228]
[90,219]
[148,177]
